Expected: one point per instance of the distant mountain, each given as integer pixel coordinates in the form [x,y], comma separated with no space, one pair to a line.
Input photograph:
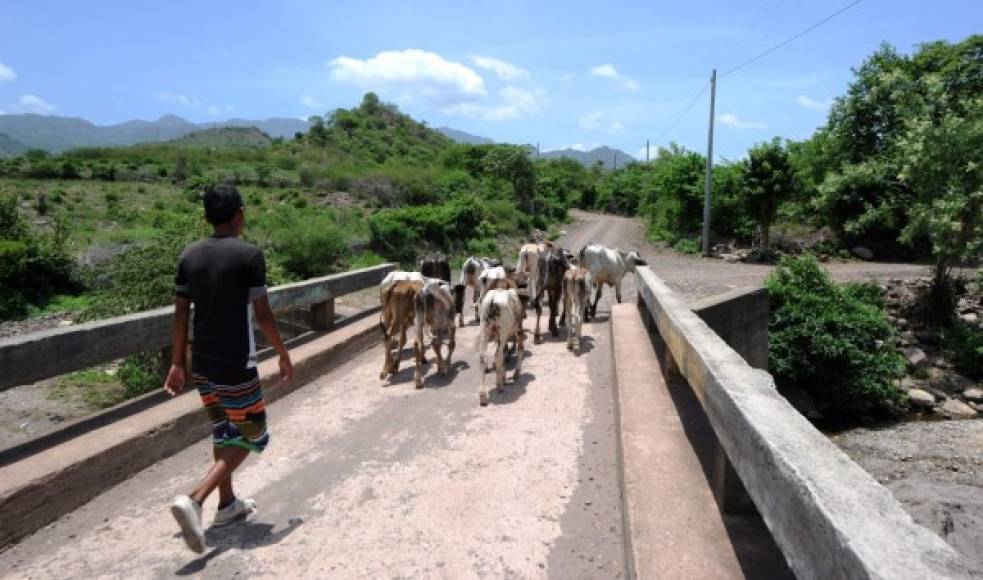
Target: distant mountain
[225,137]
[608,156]
[462,137]
[57,134]
[10,147]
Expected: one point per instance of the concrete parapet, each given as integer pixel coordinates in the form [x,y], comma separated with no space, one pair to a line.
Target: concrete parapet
[32,357]
[740,318]
[830,518]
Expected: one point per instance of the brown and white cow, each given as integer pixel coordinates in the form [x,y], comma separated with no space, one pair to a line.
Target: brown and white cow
[434,313]
[398,299]
[501,320]
[576,298]
[552,266]
[470,272]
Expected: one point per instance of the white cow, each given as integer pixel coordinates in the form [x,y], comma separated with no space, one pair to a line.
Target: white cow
[501,319]
[434,314]
[529,265]
[470,272]
[608,266]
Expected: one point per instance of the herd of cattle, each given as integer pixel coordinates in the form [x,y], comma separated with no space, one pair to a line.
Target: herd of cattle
[428,302]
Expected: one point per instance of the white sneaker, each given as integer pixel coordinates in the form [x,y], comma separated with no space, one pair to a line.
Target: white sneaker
[187,513]
[237,510]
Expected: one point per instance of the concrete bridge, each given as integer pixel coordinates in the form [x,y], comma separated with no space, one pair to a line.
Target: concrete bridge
[662,451]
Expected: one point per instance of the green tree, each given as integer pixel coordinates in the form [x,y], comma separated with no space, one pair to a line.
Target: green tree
[768,181]
[513,163]
[940,151]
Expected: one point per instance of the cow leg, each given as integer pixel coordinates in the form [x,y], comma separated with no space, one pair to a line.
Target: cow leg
[482,349]
[387,362]
[567,315]
[563,315]
[500,364]
[597,298]
[450,348]
[554,306]
[617,291]
[440,359]
[399,351]
[418,347]
[539,311]
[519,351]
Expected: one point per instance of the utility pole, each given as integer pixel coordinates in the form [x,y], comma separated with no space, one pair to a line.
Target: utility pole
[646,151]
[709,183]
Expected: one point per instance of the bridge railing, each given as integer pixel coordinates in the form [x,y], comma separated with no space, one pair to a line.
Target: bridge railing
[829,517]
[36,356]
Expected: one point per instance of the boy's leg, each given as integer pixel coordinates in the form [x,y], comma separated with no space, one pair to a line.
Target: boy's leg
[227,459]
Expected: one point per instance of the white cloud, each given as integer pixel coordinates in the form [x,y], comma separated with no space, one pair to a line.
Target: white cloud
[34,104]
[596,122]
[812,104]
[413,73]
[178,99]
[220,109]
[604,70]
[310,102]
[566,77]
[6,73]
[504,70]
[734,122]
[608,71]
[513,103]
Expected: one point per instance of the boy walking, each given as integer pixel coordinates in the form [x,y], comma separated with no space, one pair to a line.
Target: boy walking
[225,278]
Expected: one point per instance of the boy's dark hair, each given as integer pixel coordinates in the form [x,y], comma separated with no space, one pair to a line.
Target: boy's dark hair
[222,203]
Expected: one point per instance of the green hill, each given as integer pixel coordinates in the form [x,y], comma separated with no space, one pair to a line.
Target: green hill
[10,147]
[376,131]
[226,137]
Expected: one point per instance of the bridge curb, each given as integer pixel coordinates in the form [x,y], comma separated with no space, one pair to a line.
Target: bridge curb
[39,489]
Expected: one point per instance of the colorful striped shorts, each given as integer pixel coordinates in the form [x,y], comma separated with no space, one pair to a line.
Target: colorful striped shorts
[237,413]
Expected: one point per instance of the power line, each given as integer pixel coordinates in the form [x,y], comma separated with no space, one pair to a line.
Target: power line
[792,38]
[672,125]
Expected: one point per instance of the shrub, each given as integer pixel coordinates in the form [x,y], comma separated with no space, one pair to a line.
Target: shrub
[963,344]
[830,340]
[142,277]
[308,245]
[398,234]
[33,266]
[142,373]
[687,246]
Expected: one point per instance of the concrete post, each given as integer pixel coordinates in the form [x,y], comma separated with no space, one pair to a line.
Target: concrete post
[322,315]
[728,489]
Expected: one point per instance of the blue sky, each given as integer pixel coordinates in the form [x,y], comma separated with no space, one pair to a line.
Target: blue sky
[567,73]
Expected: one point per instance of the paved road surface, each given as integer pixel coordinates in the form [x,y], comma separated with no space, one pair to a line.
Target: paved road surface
[371,479]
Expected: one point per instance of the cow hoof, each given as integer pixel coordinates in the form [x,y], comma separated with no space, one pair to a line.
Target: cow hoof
[569,346]
[483,400]
[383,375]
[419,385]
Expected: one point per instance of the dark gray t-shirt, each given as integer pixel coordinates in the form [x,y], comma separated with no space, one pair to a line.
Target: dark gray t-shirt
[222,275]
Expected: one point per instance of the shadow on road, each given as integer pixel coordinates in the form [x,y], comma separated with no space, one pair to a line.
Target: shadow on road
[513,391]
[243,536]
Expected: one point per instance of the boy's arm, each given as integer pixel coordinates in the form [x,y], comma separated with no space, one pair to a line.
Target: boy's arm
[177,376]
[267,324]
